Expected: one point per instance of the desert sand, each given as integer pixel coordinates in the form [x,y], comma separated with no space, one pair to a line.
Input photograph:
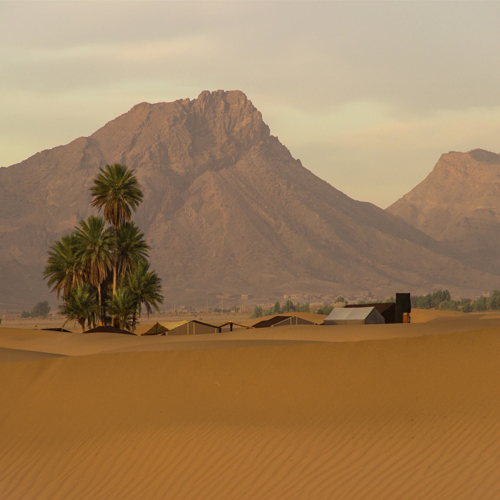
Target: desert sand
[363,412]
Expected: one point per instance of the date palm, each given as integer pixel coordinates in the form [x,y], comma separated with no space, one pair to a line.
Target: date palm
[63,269]
[80,305]
[131,249]
[122,306]
[117,192]
[94,249]
[145,287]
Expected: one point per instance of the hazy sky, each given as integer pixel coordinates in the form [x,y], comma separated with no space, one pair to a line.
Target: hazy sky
[366,94]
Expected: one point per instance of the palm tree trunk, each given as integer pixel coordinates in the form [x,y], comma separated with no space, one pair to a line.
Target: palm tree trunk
[114,277]
[115,259]
[100,304]
[115,265]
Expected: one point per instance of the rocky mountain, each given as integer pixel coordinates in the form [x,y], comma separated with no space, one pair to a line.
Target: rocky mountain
[227,210]
[459,203]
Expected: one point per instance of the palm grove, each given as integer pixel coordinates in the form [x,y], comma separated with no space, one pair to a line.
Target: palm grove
[101,268]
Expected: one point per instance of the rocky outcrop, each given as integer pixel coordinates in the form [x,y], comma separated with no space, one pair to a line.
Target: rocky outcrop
[459,203]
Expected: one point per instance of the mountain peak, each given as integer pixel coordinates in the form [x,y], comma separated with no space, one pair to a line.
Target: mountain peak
[481,155]
[458,203]
[186,135]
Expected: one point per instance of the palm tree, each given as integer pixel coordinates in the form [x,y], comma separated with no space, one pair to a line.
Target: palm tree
[122,306]
[145,287]
[131,250]
[63,269]
[94,249]
[80,305]
[117,191]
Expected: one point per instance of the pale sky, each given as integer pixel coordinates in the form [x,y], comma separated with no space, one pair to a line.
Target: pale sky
[367,95]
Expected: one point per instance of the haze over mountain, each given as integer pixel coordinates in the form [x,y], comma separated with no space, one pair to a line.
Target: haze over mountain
[226,209]
[459,203]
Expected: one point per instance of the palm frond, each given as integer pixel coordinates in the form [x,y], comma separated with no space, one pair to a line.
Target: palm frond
[117,192]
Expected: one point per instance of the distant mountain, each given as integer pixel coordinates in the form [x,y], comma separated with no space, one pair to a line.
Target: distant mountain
[226,209]
[459,203]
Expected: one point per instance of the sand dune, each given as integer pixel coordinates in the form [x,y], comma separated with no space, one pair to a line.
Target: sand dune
[413,417]
[76,344]
[16,355]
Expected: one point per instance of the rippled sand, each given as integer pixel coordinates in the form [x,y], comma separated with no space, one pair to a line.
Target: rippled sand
[372,412]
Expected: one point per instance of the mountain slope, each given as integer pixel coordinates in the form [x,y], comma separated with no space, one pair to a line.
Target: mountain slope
[227,209]
[459,203]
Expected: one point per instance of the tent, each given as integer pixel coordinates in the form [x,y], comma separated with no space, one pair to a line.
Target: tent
[230,326]
[294,320]
[290,318]
[386,309]
[354,316]
[108,329]
[193,327]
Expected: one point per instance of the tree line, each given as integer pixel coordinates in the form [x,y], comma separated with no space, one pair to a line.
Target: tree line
[289,306]
[40,310]
[442,300]
[101,268]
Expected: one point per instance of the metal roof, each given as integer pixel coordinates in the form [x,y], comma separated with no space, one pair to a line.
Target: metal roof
[350,313]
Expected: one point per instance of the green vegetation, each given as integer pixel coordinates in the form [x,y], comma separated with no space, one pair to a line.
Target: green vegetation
[289,306]
[442,300]
[257,312]
[326,308]
[144,287]
[102,271]
[40,310]
[81,305]
[117,192]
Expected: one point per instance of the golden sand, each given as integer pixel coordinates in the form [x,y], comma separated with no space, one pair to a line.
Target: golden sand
[411,412]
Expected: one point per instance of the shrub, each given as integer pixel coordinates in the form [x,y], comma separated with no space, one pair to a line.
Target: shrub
[257,312]
[481,304]
[303,307]
[40,310]
[494,301]
[467,308]
[325,309]
[448,305]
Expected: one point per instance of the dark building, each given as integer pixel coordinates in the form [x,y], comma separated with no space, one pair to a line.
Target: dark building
[403,305]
